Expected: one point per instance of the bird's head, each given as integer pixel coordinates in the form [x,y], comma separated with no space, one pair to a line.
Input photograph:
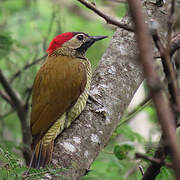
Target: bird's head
[72,44]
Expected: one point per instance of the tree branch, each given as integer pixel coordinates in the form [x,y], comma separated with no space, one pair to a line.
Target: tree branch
[126,117]
[175,44]
[153,160]
[12,94]
[164,112]
[27,66]
[169,71]
[78,146]
[108,19]
[114,83]
[170,25]
[49,30]
[154,169]
[18,105]
[6,114]
[28,95]
[162,150]
[6,98]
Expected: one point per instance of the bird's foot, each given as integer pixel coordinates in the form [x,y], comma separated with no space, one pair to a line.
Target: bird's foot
[93,99]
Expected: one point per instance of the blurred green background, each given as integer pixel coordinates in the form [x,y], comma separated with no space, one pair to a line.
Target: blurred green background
[26,28]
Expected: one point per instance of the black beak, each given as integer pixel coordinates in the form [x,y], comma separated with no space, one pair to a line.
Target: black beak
[91,40]
[96,38]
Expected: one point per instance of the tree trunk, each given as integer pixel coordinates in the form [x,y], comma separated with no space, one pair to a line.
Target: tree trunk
[114,84]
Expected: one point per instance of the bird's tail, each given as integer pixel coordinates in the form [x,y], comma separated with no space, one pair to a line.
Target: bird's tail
[42,148]
[42,154]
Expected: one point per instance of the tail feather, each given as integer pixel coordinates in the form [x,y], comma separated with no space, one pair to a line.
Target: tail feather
[48,154]
[42,146]
[42,155]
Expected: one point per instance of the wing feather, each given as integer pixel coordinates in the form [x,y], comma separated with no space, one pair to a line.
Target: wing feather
[57,86]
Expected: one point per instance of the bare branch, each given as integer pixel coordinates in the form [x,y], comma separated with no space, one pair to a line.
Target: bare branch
[146,102]
[154,169]
[49,29]
[169,72]
[18,105]
[96,120]
[108,19]
[36,61]
[28,92]
[177,61]
[119,1]
[141,170]
[170,25]
[6,114]
[10,91]
[175,44]
[6,98]
[153,160]
[27,66]
[164,112]
[162,151]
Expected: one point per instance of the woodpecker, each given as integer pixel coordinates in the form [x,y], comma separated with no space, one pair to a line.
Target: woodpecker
[60,92]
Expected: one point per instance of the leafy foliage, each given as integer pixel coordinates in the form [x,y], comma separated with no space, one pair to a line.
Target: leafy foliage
[120,151]
[27,28]
[166,174]
[14,169]
[5,44]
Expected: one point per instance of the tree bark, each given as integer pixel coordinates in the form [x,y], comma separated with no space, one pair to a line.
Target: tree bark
[114,84]
[21,111]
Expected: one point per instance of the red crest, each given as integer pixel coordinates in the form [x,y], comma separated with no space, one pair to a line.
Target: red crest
[58,41]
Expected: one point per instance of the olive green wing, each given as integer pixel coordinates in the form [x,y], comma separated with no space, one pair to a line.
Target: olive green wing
[57,86]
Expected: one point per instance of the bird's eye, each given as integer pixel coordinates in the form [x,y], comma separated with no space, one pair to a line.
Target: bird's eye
[80,37]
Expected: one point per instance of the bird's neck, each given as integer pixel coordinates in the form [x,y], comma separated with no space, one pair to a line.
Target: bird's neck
[68,51]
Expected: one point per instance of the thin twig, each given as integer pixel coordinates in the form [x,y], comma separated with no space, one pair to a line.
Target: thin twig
[170,25]
[27,66]
[10,91]
[36,61]
[165,115]
[162,151]
[18,106]
[28,91]
[177,61]
[2,116]
[138,109]
[141,170]
[169,71]
[153,160]
[6,98]
[119,1]
[154,169]
[131,171]
[49,30]
[175,44]
[108,19]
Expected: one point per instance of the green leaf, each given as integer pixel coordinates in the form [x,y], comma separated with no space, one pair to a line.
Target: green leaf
[125,130]
[178,133]
[5,44]
[152,113]
[121,10]
[166,174]
[121,151]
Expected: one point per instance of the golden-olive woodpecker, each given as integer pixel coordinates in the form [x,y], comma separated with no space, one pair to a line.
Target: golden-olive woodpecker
[60,92]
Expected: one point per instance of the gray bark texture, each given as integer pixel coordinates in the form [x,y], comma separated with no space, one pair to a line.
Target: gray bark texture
[114,84]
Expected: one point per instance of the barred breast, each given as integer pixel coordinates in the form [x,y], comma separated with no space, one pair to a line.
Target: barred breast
[67,118]
[81,102]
